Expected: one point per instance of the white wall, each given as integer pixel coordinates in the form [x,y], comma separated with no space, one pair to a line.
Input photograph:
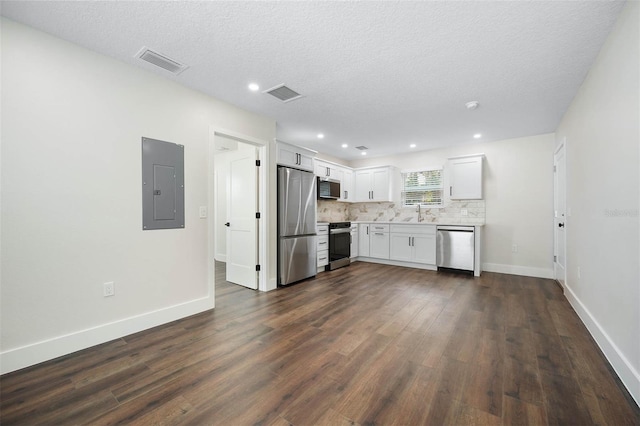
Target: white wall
[602,131]
[72,122]
[518,193]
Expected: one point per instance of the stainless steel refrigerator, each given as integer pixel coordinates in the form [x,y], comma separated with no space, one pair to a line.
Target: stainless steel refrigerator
[297,258]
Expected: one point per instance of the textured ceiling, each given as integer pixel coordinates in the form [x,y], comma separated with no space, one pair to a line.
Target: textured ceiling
[379,74]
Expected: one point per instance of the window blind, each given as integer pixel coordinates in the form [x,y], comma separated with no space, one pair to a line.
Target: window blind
[424,188]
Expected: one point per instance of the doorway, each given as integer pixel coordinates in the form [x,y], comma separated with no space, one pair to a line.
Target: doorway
[559,214]
[237,237]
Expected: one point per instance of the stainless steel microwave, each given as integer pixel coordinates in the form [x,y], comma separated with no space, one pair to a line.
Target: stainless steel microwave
[328,189]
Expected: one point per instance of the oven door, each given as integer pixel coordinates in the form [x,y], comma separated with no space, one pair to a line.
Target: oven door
[339,244]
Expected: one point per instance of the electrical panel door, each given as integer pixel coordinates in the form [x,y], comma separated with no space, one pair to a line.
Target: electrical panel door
[162,185]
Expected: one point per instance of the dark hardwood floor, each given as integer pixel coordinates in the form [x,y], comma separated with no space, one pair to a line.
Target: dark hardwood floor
[366,344]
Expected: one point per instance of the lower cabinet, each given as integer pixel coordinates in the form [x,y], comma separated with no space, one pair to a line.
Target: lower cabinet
[354,241]
[363,240]
[379,245]
[413,243]
[323,245]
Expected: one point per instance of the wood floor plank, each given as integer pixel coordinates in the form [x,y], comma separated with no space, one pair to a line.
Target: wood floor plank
[564,401]
[551,355]
[450,389]
[366,344]
[518,413]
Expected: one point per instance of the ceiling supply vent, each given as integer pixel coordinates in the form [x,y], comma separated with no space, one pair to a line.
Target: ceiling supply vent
[283,93]
[161,61]
[362,148]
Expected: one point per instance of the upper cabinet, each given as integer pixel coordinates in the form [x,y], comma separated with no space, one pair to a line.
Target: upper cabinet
[328,170]
[376,184]
[465,177]
[342,174]
[295,156]
[347,192]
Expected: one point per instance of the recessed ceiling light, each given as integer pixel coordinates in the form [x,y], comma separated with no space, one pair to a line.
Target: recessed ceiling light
[477,136]
[413,145]
[364,153]
[320,136]
[344,145]
[254,87]
[472,105]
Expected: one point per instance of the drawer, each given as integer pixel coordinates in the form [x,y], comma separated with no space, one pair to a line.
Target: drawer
[414,229]
[323,258]
[322,229]
[323,242]
[379,227]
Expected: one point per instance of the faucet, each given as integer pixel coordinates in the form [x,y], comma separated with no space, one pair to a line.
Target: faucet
[419,216]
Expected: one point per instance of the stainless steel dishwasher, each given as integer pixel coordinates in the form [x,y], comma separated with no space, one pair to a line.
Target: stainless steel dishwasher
[455,247]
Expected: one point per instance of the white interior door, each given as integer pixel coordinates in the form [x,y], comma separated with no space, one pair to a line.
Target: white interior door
[559,221]
[241,223]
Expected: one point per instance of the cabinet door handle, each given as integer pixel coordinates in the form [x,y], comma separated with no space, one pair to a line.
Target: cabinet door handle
[378,233]
[450,191]
[367,230]
[409,241]
[346,195]
[323,258]
[323,242]
[413,241]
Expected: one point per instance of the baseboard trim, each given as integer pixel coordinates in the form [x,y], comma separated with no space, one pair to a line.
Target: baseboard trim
[518,270]
[26,356]
[629,376]
[395,263]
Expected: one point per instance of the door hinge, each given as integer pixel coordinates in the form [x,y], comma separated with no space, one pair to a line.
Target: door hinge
[257,215]
[257,163]
[257,268]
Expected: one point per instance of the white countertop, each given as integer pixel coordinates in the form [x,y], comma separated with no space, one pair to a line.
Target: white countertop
[400,222]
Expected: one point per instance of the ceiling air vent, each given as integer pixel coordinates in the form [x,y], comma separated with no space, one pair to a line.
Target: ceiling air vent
[283,93]
[362,148]
[161,61]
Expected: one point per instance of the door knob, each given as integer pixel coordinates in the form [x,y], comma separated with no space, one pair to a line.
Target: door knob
[227,224]
[561,225]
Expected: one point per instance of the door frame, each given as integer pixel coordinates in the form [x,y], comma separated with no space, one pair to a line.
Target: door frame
[561,147]
[263,204]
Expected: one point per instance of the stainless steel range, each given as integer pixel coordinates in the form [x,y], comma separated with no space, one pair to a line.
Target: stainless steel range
[339,245]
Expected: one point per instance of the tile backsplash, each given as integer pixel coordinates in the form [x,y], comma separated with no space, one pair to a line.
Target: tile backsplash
[334,211]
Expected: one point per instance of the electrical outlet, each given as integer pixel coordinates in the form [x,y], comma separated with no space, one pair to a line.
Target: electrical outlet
[203,212]
[109,289]
[463,212]
[514,248]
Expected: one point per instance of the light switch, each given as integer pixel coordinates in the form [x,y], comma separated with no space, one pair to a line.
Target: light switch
[203,212]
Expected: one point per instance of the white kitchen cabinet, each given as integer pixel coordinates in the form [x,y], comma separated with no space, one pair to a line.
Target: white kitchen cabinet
[295,156]
[379,241]
[363,239]
[354,241]
[465,177]
[413,243]
[424,249]
[322,229]
[346,186]
[328,170]
[376,184]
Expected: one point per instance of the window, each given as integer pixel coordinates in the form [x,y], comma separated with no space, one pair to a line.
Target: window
[423,187]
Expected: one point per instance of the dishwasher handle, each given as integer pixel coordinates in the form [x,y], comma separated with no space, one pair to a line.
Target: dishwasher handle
[455,228]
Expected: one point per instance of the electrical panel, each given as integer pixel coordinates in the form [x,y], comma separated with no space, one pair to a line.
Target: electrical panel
[162,185]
